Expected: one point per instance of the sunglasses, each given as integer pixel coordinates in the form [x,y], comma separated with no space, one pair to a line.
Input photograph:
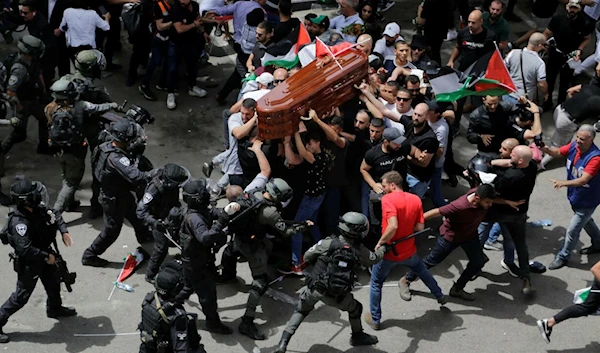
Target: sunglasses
[417,49]
[403,99]
[277,81]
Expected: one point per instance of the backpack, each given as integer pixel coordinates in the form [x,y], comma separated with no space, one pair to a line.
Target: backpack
[241,222]
[341,262]
[173,221]
[65,130]
[132,16]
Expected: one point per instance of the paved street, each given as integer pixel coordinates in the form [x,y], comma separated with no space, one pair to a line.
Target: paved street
[500,320]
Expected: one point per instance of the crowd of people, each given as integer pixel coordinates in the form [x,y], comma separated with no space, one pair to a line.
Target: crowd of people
[353,178]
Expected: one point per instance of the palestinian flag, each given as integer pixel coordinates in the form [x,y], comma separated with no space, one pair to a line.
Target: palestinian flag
[488,76]
[285,52]
[322,49]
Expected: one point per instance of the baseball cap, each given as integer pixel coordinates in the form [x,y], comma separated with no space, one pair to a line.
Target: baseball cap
[575,3]
[394,135]
[418,42]
[321,20]
[265,78]
[392,29]
[433,105]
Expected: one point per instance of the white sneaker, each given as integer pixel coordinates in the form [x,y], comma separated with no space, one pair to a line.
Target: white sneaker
[197,92]
[452,34]
[171,101]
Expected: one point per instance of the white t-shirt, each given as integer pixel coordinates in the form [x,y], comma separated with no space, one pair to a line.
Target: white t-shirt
[256,95]
[397,125]
[384,50]
[80,26]
[232,165]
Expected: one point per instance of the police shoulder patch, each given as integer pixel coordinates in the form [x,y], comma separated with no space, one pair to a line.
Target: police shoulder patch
[21,229]
[125,161]
[182,336]
[13,80]
[147,198]
[280,225]
[372,256]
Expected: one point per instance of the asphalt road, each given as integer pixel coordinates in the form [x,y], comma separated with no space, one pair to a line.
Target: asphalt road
[499,320]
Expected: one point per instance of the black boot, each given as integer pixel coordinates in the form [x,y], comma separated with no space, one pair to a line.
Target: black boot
[248,328]
[3,337]
[362,339]
[218,327]
[94,261]
[285,339]
[62,311]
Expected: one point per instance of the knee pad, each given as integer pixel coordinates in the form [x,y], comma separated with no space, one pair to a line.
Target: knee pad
[355,314]
[260,285]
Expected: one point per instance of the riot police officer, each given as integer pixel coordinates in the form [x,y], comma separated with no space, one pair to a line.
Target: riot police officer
[89,65]
[66,116]
[25,83]
[257,212]
[200,239]
[166,326]
[161,194]
[31,229]
[335,260]
[118,176]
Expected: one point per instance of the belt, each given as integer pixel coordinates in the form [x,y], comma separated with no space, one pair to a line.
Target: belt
[565,113]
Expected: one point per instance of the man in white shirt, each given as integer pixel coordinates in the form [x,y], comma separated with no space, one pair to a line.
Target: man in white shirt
[80,26]
[349,16]
[385,46]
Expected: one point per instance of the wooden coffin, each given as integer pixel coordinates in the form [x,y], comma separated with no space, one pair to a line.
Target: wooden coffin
[321,85]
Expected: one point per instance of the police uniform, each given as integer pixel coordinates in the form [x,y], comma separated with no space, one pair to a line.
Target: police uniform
[166,326]
[24,80]
[198,238]
[31,234]
[154,207]
[118,178]
[72,158]
[255,247]
[314,291]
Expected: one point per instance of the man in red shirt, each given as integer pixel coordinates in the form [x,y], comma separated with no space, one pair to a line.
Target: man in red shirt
[583,163]
[401,215]
[463,216]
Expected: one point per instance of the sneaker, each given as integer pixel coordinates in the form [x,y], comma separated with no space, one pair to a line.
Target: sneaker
[248,328]
[295,269]
[147,93]
[171,101]
[544,329]
[4,337]
[451,35]
[369,320]
[404,289]
[362,339]
[207,168]
[197,92]
[512,269]
[388,5]
[443,300]
[460,293]
[493,246]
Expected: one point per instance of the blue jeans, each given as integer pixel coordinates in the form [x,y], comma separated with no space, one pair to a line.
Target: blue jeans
[380,272]
[165,53]
[484,231]
[365,189]
[443,248]
[581,219]
[416,186]
[435,187]
[494,233]
[308,210]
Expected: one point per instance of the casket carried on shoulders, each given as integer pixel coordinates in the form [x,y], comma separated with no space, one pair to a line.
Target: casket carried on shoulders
[318,86]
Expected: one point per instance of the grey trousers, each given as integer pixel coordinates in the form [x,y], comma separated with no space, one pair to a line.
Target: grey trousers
[73,168]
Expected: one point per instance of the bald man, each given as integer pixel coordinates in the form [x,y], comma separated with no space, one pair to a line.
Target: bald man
[365,43]
[514,187]
[279,76]
[420,135]
[526,64]
[472,42]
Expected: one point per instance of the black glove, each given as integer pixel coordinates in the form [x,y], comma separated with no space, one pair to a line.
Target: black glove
[160,226]
[386,248]
[223,219]
[220,241]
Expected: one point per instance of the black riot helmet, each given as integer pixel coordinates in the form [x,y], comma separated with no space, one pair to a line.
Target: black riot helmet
[168,282]
[27,193]
[123,131]
[477,164]
[139,115]
[196,194]
[173,175]
[353,225]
